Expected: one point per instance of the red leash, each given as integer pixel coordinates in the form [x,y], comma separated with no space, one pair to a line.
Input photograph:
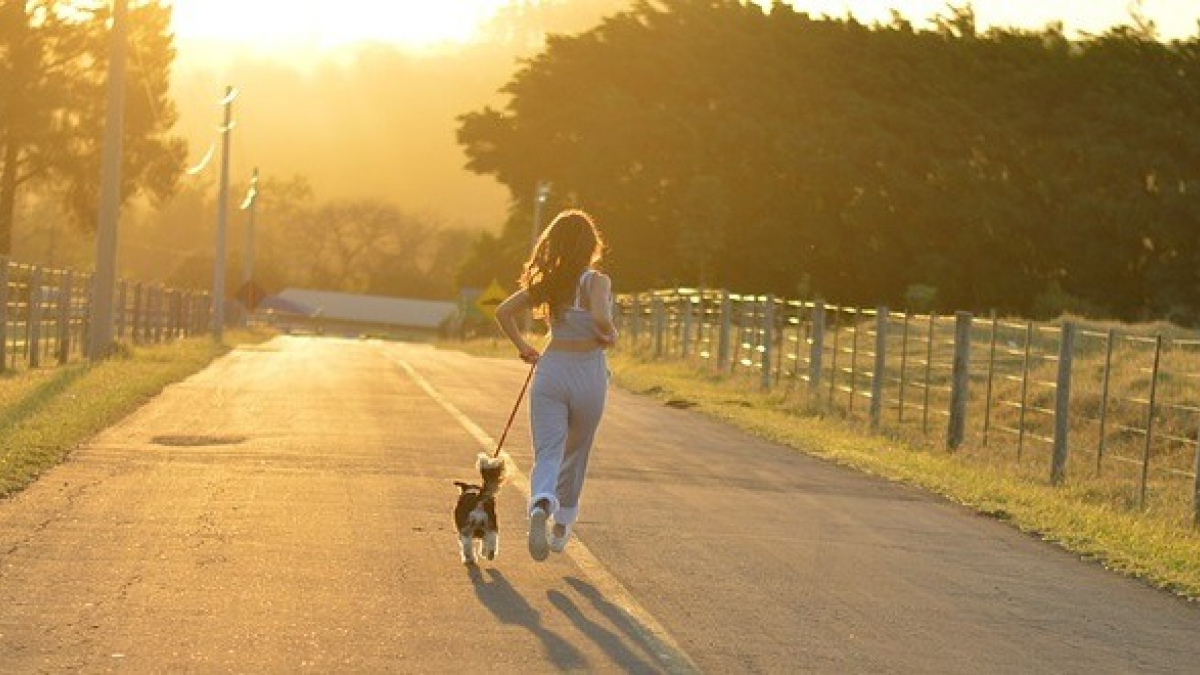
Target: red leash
[513,415]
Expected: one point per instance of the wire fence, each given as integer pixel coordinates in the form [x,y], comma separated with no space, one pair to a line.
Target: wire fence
[1061,401]
[46,313]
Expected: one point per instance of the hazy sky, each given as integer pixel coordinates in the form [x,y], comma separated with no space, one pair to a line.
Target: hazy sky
[284,24]
[1175,18]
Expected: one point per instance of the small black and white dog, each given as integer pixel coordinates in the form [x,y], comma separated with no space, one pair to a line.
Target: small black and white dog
[475,512]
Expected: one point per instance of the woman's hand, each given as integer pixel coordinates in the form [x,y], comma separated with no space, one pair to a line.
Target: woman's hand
[530,355]
[607,339]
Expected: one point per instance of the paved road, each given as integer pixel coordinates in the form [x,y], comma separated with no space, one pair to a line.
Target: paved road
[287,510]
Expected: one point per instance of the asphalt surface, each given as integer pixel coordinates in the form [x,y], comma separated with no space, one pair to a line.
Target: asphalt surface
[288,510]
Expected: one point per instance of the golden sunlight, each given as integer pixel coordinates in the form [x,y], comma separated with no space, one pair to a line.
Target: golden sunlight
[286,25]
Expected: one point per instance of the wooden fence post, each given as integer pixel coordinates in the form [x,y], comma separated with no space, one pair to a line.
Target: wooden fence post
[658,308]
[64,318]
[119,310]
[635,319]
[817,349]
[881,329]
[1196,484]
[135,327]
[685,346]
[768,327]
[961,374]
[3,314]
[206,311]
[160,314]
[153,313]
[723,335]
[33,349]
[1062,404]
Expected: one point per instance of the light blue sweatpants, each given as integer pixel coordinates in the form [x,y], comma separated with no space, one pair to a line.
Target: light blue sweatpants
[566,402]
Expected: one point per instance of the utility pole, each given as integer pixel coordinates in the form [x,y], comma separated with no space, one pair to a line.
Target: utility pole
[104,282]
[222,217]
[248,206]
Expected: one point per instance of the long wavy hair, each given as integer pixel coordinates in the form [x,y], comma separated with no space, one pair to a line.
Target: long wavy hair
[566,248]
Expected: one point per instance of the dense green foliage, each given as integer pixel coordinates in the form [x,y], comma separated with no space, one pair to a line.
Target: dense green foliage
[53,75]
[723,144]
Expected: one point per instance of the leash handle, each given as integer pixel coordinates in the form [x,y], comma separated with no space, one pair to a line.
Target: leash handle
[513,415]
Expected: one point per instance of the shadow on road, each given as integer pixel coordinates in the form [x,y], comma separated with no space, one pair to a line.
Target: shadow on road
[610,642]
[499,596]
[633,630]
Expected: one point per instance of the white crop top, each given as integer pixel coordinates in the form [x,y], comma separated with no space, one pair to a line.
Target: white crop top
[576,322]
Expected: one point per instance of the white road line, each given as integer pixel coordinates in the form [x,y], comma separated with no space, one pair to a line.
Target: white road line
[670,655]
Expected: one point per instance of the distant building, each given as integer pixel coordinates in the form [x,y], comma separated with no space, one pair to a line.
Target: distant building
[331,312]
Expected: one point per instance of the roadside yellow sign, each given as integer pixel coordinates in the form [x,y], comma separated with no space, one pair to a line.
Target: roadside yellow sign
[491,296]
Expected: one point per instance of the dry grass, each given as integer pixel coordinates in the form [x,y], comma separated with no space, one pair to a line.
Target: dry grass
[1088,518]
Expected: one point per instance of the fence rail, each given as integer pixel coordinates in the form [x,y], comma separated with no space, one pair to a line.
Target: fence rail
[1070,398]
[46,314]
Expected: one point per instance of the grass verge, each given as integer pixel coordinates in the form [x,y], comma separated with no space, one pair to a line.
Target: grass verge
[1131,543]
[46,413]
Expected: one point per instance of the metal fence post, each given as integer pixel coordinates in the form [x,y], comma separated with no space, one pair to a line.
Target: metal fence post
[768,324]
[1024,390]
[991,374]
[881,329]
[1062,404]
[961,374]
[723,335]
[857,321]
[817,349]
[1108,352]
[929,343]
[903,368]
[1150,420]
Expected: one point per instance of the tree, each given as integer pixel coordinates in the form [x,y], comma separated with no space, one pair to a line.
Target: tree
[999,167]
[352,244]
[53,66]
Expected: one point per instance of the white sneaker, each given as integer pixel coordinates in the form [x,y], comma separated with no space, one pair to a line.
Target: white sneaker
[539,547]
[559,544]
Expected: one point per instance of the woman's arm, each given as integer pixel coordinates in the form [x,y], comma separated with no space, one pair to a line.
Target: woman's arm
[506,315]
[601,306]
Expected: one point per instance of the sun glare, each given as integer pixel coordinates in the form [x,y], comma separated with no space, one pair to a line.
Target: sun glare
[278,25]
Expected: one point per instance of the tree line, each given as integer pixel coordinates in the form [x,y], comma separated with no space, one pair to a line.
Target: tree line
[53,74]
[723,144]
